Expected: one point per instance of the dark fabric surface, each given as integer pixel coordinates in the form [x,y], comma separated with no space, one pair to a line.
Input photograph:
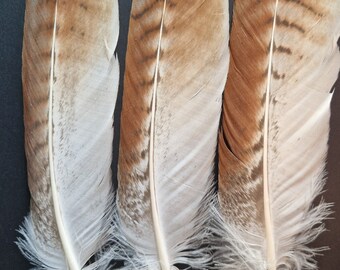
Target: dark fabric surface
[14,195]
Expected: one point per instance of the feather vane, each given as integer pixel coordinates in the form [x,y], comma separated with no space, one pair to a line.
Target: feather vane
[70,81]
[176,71]
[275,125]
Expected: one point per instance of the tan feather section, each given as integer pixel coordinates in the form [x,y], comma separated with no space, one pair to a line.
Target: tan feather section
[176,70]
[70,79]
[36,105]
[273,141]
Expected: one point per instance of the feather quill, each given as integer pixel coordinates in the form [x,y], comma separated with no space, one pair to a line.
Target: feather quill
[177,61]
[273,140]
[70,81]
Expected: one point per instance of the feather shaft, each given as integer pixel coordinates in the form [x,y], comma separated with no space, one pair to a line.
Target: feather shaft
[271,253]
[159,234]
[64,235]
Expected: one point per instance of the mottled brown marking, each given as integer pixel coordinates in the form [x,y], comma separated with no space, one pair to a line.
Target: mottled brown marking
[154,30]
[231,194]
[83,6]
[257,172]
[137,14]
[38,123]
[293,25]
[282,49]
[278,76]
[144,153]
[265,75]
[259,145]
[316,10]
[146,59]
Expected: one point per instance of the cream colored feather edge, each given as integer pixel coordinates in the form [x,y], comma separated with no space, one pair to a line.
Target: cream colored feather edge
[273,142]
[176,67]
[70,81]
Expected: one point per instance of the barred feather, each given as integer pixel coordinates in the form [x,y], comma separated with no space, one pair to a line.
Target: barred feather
[273,141]
[177,61]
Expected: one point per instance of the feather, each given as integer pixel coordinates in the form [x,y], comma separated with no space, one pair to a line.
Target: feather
[273,140]
[70,81]
[177,61]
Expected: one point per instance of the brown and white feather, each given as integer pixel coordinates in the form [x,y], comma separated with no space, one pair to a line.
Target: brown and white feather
[70,80]
[177,61]
[275,125]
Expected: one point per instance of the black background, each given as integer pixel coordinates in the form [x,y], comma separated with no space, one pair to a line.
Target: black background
[14,195]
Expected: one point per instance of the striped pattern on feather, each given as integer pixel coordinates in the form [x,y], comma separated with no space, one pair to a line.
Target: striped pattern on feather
[273,141]
[176,71]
